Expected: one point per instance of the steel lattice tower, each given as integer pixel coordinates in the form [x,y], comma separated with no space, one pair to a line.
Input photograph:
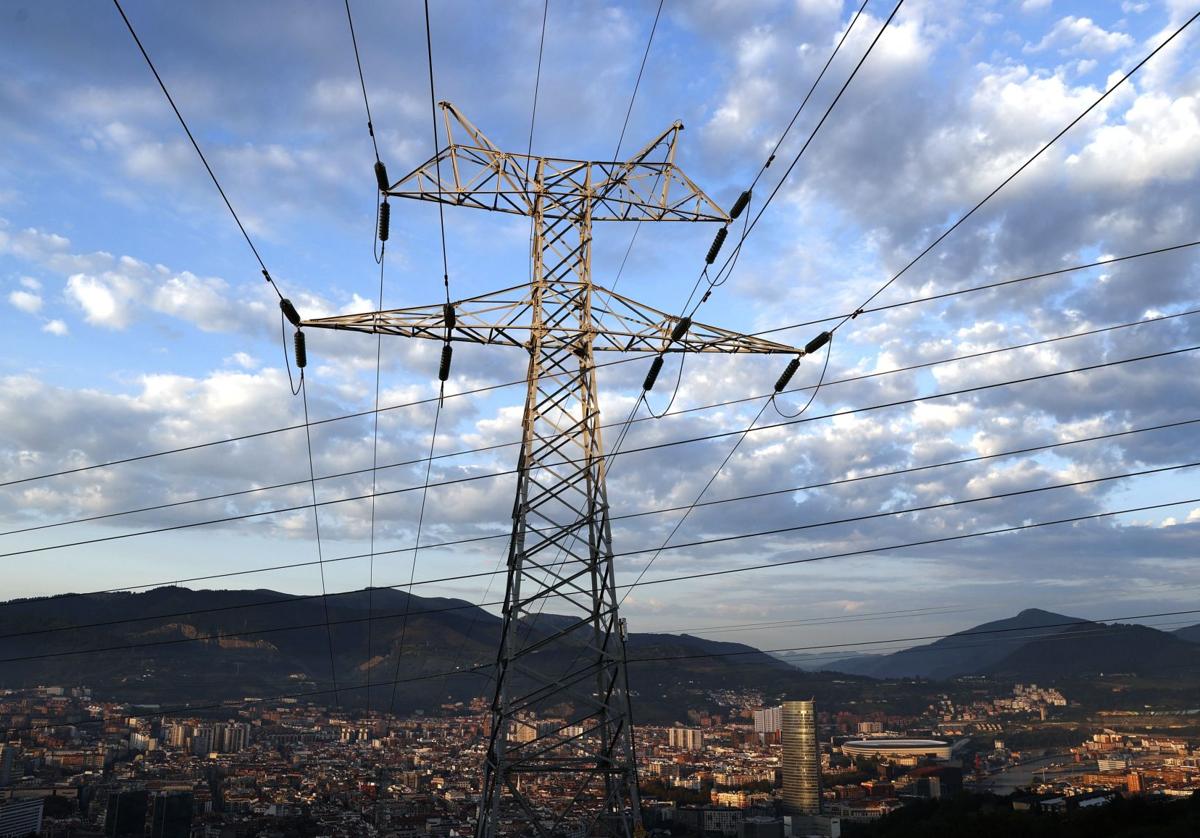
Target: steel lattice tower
[561,546]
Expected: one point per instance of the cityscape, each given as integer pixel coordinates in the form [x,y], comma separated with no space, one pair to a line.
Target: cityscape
[600,419]
[89,768]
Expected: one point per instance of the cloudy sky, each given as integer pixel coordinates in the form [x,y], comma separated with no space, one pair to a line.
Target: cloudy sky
[136,319]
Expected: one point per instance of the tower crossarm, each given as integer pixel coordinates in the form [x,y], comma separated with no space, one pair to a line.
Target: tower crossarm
[476,173]
[618,324]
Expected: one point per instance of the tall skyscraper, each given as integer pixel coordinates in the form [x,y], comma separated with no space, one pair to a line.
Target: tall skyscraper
[801,759]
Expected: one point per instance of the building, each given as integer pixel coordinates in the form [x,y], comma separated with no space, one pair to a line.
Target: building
[801,759]
[768,720]
[686,738]
[868,728]
[8,758]
[19,818]
[710,820]
[760,827]
[898,750]
[171,815]
[126,814]
[935,782]
[812,826]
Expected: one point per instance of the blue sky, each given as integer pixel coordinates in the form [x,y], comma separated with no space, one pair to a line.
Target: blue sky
[137,320]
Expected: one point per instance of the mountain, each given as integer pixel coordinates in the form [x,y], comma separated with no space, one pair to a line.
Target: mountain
[963,653]
[1034,645]
[1189,633]
[824,661]
[144,647]
[1094,648]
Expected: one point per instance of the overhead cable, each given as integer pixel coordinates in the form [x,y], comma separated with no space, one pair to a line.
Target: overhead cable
[641,449]
[1018,170]
[629,586]
[616,362]
[192,709]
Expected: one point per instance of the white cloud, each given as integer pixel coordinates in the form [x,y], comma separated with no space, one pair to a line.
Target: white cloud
[56,327]
[1158,139]
[106,300]
[1035,5]
[1081,35]
[31,283]
[242,359]
[25,301]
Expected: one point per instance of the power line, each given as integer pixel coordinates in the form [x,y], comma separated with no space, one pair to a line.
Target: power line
[617,362]
[682,411]
[743,202]
[196,146]
[312,477]
[815,525]
[771,157]
[256,434]
[1019,169]
[362,81]
[985,287]
[731,260]
[849,553]
[789,490]
[192,708]
[642,449]
[382,259]
[444,371]
[267,276]
[621,139]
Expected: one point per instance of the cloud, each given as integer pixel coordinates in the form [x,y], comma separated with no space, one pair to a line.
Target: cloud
[1081,35]
[56,327]
[25,301]
[945,107]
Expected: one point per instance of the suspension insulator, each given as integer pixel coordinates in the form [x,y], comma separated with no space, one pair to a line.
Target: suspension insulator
[816,343]
[381,177]
[444,367]
[739,205]
[449,315]
[681,329]
[289,311]
[301,354]
[652,376]
[715,247]
[385,220]
[792,366]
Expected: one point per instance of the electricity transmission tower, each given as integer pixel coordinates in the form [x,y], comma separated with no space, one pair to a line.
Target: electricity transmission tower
[560,757]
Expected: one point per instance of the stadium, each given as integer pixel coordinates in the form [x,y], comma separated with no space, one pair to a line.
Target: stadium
[898,748]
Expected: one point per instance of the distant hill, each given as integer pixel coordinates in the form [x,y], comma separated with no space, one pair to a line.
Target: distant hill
[1035,645]
[1189,633]
[822,661]
[963,653]
[1093,648]
[282,647]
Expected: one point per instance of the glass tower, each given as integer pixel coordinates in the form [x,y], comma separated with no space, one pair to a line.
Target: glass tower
[801,759]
